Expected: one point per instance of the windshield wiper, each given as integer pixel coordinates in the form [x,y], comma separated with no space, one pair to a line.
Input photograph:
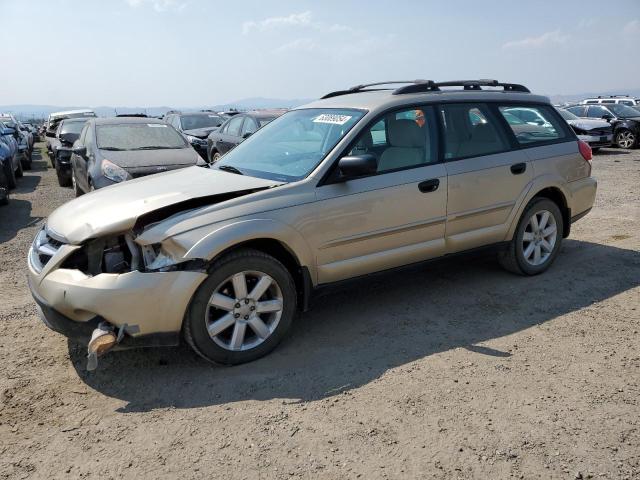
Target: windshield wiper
[155,147]
[229,168]
[112,149]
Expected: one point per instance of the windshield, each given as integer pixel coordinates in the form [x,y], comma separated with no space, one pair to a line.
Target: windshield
[72,127]
[568,115]
[192,122]
[623,111]
[138,136]
[291,146]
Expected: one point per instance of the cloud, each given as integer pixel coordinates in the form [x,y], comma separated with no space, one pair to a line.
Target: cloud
[159,5]
[632,28]
[297,45]
[295,19]
[549,38]
[299,20]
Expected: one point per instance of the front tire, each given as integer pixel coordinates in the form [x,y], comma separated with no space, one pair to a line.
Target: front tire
[243,310]
[74,183]
[625,139]
[537,239]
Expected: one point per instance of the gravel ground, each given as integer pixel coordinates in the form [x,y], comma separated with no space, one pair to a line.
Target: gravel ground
[459,370]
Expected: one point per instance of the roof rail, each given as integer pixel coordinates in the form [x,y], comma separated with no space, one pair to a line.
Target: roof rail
[465,84]
[360,88]
[422,86]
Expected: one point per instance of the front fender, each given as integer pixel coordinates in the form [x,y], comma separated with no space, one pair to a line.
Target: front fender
[208,242]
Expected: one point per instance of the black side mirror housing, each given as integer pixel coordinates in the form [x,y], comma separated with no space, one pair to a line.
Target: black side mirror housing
[80,150]
[353,166]
[247,135]
[68,138]
[607,117]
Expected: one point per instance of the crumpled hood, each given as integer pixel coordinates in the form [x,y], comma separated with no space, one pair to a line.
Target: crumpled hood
[116,208]
[588,124]
[200,132]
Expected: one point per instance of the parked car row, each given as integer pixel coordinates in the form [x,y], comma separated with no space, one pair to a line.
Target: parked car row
[16,148]
[604,121]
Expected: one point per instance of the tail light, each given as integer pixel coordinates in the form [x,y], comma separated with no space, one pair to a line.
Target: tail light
[585,150]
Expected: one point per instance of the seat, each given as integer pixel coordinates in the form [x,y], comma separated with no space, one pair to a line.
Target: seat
[407,145]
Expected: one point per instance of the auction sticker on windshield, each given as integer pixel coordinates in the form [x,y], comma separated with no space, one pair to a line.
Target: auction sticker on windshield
[333,119]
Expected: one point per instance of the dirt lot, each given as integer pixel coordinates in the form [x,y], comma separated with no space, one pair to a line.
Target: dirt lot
[456,371]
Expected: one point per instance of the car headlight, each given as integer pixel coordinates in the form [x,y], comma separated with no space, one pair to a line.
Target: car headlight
[113,171]
[156,258]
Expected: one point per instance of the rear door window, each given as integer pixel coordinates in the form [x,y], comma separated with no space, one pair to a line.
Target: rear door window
[471,130]
[597,112]
[539,124]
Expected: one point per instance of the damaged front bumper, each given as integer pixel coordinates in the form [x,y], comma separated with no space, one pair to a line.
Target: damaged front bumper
[148,306]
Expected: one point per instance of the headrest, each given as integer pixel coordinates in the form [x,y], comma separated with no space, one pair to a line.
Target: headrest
[405,133]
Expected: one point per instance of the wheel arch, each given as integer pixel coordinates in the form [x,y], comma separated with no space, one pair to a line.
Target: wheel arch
[281,252]
[545,188]
[556,196]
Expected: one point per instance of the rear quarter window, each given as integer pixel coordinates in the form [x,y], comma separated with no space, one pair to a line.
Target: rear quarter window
[539,124]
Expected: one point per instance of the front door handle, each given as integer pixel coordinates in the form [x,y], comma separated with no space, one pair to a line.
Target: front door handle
[518,168]
[429,185]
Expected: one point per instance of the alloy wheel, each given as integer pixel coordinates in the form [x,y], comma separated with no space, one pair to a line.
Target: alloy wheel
[244,310]
[539,237]
[626,139]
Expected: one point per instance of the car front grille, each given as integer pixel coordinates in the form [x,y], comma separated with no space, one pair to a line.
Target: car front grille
[44,247]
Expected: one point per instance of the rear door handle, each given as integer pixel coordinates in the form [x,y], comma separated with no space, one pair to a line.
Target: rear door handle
[429,185]
[518,168]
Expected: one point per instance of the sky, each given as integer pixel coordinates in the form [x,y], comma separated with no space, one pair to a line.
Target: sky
[200,52]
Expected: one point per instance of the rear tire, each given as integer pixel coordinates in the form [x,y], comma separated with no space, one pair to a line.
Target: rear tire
[63,180]
[595,149]
[225,323]
[20,170]
[27,160]
[532,251]
[10,174]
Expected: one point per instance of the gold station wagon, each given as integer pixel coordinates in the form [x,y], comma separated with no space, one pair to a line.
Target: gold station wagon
[363,180]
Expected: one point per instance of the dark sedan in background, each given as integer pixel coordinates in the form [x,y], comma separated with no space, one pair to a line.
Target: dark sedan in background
[196,127]
[235,130]
[597,133]
[625,121]
[67,133]
[112,150]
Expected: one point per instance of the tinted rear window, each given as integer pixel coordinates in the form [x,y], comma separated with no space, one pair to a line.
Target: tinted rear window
[539,124]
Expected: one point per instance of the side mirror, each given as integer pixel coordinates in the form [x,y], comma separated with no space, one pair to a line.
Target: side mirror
[357,165]
[50,134]
[247,135]
[80,150]
[68,137]
[607,116]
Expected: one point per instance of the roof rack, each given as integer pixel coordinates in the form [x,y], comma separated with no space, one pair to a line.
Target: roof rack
[361,88]
[423,86]
[476,85]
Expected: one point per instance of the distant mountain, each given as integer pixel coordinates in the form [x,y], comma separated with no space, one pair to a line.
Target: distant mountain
[43,111]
